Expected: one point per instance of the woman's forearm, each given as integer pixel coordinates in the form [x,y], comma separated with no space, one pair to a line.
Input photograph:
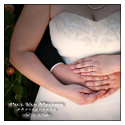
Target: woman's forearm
[29,65]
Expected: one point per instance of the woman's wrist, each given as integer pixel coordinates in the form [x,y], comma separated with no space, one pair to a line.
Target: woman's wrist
[59,89]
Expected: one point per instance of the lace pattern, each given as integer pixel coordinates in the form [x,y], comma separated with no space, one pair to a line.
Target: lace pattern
[91,33]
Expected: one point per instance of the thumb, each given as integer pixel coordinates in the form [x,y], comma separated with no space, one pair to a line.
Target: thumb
[85,90]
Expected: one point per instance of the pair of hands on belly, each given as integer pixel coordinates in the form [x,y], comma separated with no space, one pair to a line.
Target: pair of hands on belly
[96,84]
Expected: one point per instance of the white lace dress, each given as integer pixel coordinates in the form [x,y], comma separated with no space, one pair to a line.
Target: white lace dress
[77,37]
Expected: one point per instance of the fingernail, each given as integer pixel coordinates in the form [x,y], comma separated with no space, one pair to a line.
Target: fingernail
[72,67]
[105,77]
[88,84]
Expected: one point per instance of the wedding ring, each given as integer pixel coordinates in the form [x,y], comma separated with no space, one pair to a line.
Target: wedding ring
[91,68]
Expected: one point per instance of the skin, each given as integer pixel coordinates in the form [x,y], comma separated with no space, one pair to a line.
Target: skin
[31,25]
[111,82]
[102,65]
[61,71]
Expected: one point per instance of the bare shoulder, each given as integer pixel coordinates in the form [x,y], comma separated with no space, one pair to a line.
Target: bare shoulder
[36,10]
[56,9]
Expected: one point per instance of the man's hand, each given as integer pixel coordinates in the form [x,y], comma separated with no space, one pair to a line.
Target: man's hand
[65,75]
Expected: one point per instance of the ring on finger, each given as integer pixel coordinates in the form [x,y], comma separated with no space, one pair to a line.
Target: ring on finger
[91,68]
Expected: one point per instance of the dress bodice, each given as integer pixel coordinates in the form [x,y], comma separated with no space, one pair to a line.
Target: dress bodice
[77,37]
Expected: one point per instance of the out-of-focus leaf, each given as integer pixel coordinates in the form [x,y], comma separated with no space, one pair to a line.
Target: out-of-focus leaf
[7,84]
[18,89]
[6,52]
[8,13]
[18,76]
[15,111]
[8,33]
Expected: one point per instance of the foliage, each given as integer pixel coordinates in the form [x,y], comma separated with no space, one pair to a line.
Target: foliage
[15,84]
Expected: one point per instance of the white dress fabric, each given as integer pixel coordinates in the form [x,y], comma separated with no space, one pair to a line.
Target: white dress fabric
[78,37]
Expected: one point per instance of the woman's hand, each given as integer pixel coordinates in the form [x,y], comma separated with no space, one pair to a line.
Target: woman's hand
[80,94]
[97,65]
[112,83]
[65,75]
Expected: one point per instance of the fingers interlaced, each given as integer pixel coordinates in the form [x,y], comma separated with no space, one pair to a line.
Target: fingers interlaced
[98,82]
[94,78]
[89,73]
[98,85]
[97,88]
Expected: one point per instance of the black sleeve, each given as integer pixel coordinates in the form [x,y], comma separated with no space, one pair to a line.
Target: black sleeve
[45,51]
